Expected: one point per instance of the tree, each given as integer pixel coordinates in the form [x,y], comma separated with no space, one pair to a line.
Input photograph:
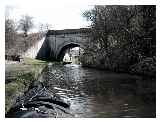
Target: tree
[129,25]
[10,33]
[123,33]
[25,24]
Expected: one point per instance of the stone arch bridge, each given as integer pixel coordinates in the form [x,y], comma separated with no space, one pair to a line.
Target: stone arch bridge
[58,41]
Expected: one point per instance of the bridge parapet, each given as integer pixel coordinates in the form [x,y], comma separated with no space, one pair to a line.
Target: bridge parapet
[57,41]
[68,31]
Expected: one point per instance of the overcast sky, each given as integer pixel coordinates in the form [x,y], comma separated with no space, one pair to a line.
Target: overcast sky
[60,15]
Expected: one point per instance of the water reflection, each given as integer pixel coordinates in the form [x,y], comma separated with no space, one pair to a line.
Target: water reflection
[97,93]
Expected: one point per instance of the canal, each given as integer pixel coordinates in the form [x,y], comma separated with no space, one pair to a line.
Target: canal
[99,93]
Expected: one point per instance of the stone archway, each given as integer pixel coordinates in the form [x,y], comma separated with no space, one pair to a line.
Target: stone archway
[63,50]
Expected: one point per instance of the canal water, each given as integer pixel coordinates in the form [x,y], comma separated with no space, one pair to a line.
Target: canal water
[99,93]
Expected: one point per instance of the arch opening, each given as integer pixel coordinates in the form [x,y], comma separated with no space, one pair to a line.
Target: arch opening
[70,54]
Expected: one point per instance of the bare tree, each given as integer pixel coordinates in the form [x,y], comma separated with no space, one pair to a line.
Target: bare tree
[25,24]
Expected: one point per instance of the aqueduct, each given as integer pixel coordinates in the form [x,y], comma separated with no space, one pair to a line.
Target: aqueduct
[58,41]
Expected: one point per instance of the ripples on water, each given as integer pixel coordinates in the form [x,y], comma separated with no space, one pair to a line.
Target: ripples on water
[98,93]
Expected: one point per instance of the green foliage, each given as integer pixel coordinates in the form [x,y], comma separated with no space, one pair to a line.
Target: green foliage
[125,34]
[30,61]
[145,67]
[16,88]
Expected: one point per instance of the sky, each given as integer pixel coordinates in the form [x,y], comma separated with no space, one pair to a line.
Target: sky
[59,14]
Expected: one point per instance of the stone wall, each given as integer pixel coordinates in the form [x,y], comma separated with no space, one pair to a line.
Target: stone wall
[57,41]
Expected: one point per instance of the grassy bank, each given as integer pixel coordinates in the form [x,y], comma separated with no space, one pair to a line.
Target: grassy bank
[19,76]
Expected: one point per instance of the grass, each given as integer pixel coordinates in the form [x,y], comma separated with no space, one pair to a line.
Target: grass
[30,61]
[24,74]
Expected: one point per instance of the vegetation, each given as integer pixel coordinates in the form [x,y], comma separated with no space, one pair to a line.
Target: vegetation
[17,36]
[19,44]
[25,24]
[122,37]
[10,33]
[21,76]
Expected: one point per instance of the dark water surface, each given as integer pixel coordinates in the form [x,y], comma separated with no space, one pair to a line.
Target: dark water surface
[99,93]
